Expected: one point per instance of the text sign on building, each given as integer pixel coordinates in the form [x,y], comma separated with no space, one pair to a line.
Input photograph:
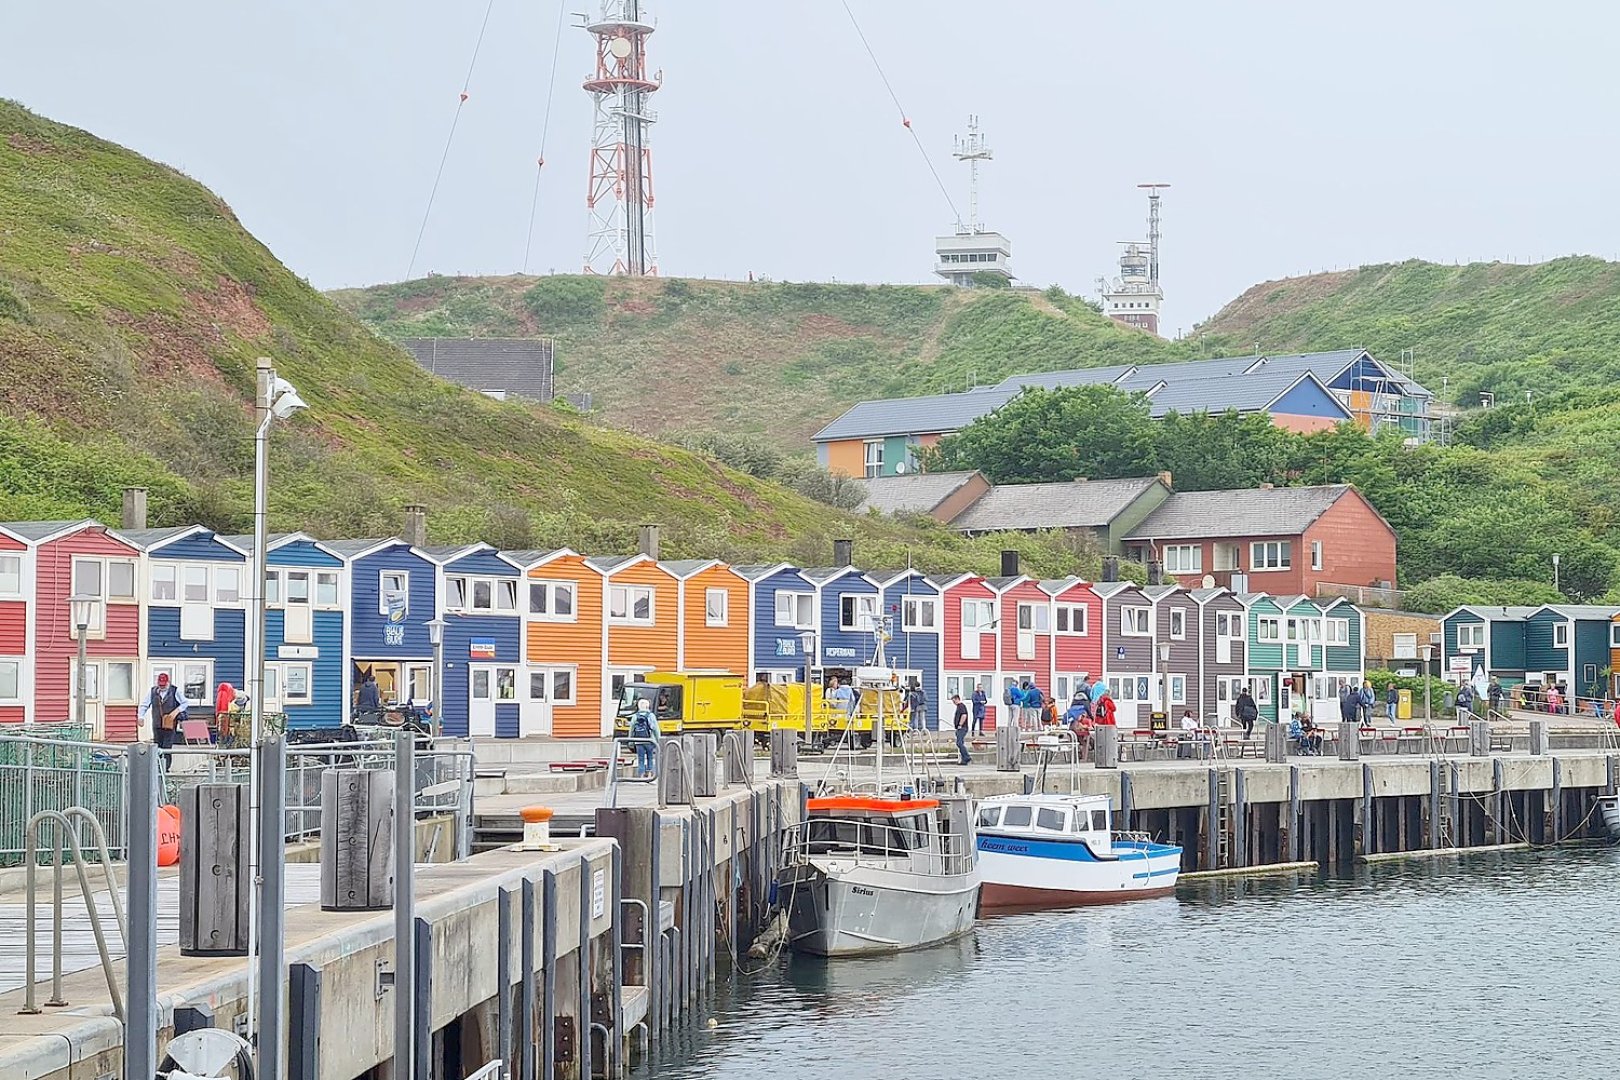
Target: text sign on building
[786,647]
[481,648]
[1460,663]
[393,635]
[840,653]
[297,652]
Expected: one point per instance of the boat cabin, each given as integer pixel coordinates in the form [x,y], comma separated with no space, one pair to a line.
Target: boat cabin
[910,832]
[1049,816]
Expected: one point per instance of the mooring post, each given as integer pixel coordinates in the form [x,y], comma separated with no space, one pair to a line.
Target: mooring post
[423,1054]
[503,978]
[1498,829]
[548,975]
[1611,765]
[1240,819]
[1212,842]
[1293,813]
[1126,798]
[1461,833]
[1557,800]
[1434,804]
[657,968]
[1369,833]
[527,1036]
[140,997]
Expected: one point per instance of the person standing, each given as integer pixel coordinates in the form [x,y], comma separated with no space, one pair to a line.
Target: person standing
[959,721]
[368,699]
[1247,711]
[838,695]
[981,704]
[1368,696]
[644,737]
[1104,710]
[916,706]
[1495,693]
[1465,703]
[1033,700]
[1349,704]
[163,708]
[1392,698]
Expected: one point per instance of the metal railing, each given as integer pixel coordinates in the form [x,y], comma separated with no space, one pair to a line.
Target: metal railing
[866,841]
[39,774]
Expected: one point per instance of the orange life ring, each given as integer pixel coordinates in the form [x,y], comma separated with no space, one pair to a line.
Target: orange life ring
[168,835]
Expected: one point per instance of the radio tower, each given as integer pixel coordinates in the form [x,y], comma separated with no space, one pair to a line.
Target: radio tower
[1153,229]
[620,197]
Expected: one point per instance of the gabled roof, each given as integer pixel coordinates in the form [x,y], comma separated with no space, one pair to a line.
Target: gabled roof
[761,571]
[38,532]
[1574,612]
[150,539]
[1075,504]
[350,550]
[1110,589]
[445,556]
[1493,613]
[1057,586]
[1204,596]
[1281,511]
[518,366]
[607,564]
[685,568]
[1159,592]
[527,558]
[915,415]
[1002,584]
[820,575]
[945,581]
[914,493]
[884,578]
[275,540]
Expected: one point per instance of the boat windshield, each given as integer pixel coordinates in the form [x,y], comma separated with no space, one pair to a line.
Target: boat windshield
[989,817]
[1016,816]
[1051,818]
[827,835]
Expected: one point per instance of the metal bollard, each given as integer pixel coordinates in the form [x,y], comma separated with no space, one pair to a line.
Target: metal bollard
[1009,749]
[1479,738]
[1276,744]
[1538,737]
[1107,746]
[784,754]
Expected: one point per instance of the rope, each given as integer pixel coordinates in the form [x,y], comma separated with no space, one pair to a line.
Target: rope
[904,119]
[545,126]
[451,138]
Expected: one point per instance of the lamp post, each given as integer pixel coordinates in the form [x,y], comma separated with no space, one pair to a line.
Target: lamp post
[1164,680]
[277,400]
[807,642]
[435,629]
[84,610]
[1428,658]
[1557,558]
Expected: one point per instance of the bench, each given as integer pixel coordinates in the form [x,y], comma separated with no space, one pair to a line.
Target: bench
[580,766]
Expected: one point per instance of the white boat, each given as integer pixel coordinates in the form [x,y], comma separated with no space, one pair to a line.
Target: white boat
[867,875]
[874,872]
[1610,805]
[1052,851]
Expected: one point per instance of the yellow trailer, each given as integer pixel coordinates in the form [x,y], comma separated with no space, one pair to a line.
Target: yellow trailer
[685,701]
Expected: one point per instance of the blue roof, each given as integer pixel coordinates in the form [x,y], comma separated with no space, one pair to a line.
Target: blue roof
[1243,383]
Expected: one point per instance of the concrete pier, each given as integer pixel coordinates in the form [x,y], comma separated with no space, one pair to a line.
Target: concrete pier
[564,963]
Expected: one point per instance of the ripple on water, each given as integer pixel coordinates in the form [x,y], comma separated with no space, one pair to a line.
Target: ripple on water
[1493,967]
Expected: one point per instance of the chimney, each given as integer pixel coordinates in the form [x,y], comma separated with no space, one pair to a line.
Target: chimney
[649,537]
[1267,486]
[416,525]
[843,553]
[134,516]
[1009,562]
[1155,572]
[1110,568]
[1169,479]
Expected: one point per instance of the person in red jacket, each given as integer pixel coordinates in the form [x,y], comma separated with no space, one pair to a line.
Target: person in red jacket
[1104,708]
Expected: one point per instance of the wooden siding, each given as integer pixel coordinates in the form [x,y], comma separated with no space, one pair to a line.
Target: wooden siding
[646,646]
[847,457]
[835,646]
[1235,666]
[328,695]
[1184,653]
[776,648]
[367,640]
[577,643]
[55,646]
[718,648]
[1076,653]
[917,650]
[1265,658]
[1040,665]
[973,588]
[506,631]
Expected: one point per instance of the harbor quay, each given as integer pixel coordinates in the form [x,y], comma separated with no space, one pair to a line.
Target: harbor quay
[579,959]
[566,962]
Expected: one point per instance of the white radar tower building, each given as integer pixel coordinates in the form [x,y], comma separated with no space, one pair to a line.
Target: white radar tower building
[972,249]
[1134,298]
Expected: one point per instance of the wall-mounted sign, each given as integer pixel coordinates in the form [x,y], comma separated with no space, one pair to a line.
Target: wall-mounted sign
[393,635]
[598,893]
[786,647]
[1119,653]
[1458,663]
[297,652]
[834,651]
[481,648]
[396,605]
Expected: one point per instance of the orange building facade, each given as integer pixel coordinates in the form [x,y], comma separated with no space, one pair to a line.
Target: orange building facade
[565,642]
[713,618]
[642,625]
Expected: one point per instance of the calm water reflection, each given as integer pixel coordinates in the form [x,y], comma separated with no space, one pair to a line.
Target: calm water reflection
[1494,966]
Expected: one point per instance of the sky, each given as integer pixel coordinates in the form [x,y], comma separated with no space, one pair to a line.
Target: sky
[1296,136]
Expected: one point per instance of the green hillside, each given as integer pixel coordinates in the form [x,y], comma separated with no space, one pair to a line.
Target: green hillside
[1498,327]
[133,305]
[772,359]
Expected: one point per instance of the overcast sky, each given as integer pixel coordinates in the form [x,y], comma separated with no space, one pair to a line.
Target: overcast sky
[1298,136]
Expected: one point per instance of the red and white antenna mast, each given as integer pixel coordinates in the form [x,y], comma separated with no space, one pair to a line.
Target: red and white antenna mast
[620,197]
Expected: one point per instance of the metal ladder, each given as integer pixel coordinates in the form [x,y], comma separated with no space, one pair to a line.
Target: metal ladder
[66,840]
[1223,819]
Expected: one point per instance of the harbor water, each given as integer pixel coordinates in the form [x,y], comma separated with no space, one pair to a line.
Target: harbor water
[1489,966]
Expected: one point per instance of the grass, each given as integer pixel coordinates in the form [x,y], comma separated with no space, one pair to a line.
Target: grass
[133,305]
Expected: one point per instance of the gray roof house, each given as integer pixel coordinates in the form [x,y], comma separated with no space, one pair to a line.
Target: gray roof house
[1106,509]
[940,495]
[497,367]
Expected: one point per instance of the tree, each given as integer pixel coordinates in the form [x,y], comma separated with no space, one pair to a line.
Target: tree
[1446,593]
[1046,435]
[1205,452]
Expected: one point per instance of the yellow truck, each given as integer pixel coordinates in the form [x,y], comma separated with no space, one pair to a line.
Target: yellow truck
[686,701]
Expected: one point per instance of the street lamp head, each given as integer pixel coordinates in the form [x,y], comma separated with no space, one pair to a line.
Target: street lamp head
[84,609]
[807,641]
[1164,653]
[435,629]
[1557,558]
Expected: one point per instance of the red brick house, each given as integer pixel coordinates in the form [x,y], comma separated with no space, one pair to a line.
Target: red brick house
[1278,540]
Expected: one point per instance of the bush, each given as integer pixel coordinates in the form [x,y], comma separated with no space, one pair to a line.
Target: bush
[564,301]
[838,491]
[1437,596]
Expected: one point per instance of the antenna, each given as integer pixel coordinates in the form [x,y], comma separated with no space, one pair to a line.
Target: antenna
[620,196]
[1153,230]
[971,148]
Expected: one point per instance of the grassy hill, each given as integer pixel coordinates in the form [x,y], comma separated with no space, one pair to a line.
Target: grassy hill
[133,305]
[1499,327]
[774,359]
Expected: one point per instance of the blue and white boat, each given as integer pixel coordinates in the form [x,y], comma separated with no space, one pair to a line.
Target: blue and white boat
[1053,851]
